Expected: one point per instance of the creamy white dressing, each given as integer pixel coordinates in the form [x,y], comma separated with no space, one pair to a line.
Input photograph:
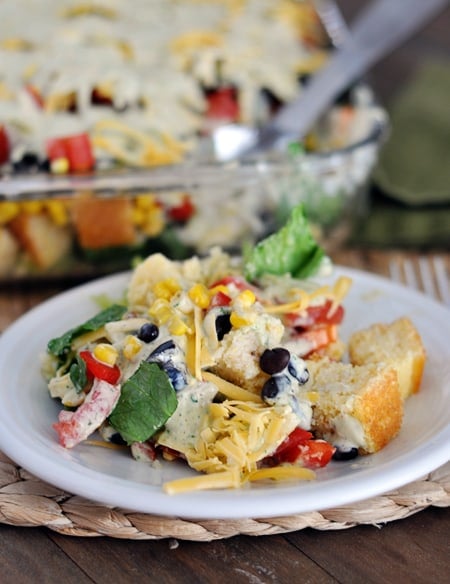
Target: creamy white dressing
[181,431]
[290,393]
[347,432]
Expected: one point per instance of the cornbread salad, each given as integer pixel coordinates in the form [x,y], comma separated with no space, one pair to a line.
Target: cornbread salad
[233,365]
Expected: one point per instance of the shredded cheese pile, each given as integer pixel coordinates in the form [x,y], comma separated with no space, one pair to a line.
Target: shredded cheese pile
[236,436]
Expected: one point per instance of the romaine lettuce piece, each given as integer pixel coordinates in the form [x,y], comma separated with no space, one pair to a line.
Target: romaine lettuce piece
[292,249]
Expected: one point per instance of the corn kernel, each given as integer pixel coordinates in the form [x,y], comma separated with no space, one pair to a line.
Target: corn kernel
[146,201]
[246,298]
[8,210]
[138,216]
[178,327]
[154,222]
[58,212]
[32,207]
[160,310]
[132,347]
[106,354]
[166,288]
[238,320]
[163,313]
[59,166]
[200,295]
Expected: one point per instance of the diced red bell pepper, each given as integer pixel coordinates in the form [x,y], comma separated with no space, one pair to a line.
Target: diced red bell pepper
[76,149]
[100,370]
[4,146]
[223,104]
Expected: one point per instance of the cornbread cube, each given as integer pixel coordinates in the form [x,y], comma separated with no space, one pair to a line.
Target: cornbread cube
[101,223]
[354,405]
[9,249]
[397,344]
[44,241]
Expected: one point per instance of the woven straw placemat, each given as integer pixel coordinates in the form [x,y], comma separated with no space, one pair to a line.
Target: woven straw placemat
[28,502]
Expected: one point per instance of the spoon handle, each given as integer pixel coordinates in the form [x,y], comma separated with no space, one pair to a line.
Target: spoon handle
[379,28]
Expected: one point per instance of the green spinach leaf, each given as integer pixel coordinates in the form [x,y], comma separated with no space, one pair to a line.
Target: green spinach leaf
[78,374]
[146,402]
[60,346]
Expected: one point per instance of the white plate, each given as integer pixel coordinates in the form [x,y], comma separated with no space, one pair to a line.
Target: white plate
[114,478]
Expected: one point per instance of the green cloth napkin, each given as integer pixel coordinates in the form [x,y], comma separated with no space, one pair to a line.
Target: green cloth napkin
[390,224]
[410,205]
[414,164]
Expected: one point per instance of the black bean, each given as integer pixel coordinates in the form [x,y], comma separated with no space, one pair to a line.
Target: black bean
[345,453]
[176,377]
[274,360]
[273,386]
[116,438]
[270,389]
[223,325]
[148,332]
[44,165]
[167,346]
[28,162]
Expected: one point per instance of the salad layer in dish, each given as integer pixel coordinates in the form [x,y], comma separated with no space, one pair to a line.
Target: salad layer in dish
[91,83]
[235,367]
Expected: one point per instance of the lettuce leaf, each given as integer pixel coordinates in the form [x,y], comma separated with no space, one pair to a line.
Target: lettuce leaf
[292,249]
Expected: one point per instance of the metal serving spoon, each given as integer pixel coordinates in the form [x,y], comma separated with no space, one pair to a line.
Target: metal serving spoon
[381,27]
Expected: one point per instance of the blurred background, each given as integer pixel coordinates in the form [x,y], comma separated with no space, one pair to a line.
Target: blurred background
[115,103]
[410,194]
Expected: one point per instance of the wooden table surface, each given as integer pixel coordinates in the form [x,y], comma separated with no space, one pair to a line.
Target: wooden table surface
[412,550]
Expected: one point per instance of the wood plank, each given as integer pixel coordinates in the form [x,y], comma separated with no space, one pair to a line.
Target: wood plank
[28,556]
[414,550]
[241,559]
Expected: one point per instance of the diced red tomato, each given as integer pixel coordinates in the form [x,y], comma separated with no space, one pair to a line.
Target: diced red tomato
[295,437]
[55,148]
[76,149]
[223,104]
[79,153]
[234,281]
[100,370]
[4,146]
[314,453]
[145,451]
[315,315]
[318,337]
[183,211]
[219,299]
[300,447]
